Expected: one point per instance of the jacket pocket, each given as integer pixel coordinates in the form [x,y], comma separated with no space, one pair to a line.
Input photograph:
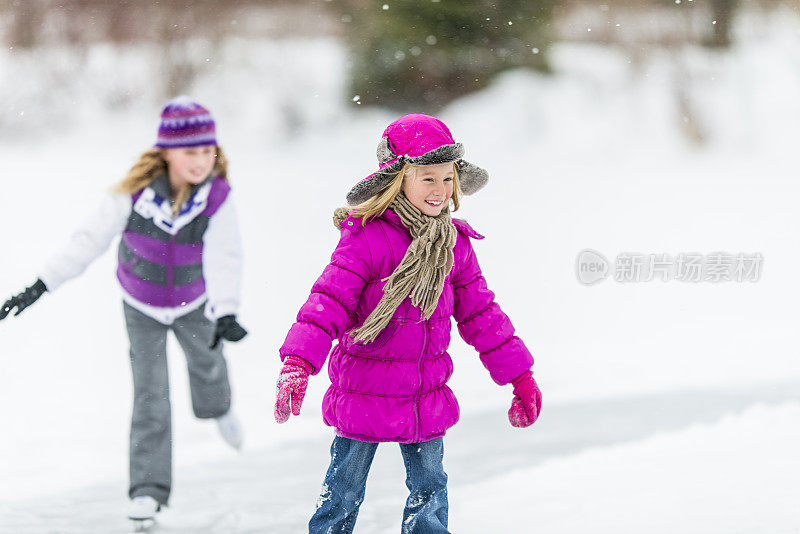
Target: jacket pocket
[353,347]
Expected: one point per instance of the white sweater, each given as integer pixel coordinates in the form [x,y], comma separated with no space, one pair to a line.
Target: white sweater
[222,257]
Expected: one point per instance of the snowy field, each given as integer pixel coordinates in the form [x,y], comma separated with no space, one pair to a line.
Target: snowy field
[668,406]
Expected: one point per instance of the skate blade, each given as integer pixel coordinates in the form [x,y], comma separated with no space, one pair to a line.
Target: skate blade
[143,525]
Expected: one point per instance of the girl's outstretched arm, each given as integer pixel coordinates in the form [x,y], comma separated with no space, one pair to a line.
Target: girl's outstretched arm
[333,299]
[222,270]
[88,241]
[322,318]
[222,261]
[483,324]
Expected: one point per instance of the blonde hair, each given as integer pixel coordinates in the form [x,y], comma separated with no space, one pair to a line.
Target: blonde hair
[151,165]
[377,204]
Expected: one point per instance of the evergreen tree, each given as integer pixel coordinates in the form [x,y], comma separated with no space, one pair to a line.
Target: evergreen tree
[420,54]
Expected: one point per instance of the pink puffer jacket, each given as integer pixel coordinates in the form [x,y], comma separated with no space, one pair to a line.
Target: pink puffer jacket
[395,388]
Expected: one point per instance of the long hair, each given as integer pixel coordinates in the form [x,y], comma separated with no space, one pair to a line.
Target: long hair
[377,204]
[151,165]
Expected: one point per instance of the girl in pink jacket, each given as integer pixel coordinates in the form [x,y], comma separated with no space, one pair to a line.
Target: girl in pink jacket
[401,269]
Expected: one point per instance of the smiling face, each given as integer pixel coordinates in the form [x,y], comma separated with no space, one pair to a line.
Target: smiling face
[189,165]
[429,187]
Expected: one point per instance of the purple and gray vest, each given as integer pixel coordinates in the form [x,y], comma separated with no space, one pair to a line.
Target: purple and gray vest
[161,256]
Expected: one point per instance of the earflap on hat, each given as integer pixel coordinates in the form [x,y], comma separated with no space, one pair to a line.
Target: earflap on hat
[370,186]
[471,178]
[384,151]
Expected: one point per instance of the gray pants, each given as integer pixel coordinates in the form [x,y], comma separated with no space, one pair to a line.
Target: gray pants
[151,432]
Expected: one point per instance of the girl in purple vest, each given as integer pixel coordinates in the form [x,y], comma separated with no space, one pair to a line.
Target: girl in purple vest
[180,270]
[403,267]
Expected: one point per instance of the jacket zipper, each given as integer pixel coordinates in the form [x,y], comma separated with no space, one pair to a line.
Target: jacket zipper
[170,270]
[417,395]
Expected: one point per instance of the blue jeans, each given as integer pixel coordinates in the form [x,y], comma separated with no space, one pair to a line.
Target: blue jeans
[346,482]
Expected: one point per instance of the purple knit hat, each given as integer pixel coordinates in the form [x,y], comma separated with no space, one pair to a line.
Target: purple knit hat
[419,140]
[185,123]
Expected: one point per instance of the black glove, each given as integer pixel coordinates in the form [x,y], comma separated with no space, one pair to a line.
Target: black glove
[23,300]
[227,328]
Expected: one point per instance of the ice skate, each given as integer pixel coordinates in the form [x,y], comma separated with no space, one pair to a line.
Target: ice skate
[142,512]
[230,429]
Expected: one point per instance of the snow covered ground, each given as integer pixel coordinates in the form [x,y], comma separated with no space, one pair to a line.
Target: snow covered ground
[669,406]
[714,461]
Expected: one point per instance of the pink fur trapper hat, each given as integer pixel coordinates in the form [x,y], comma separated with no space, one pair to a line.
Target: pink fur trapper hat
[419,140]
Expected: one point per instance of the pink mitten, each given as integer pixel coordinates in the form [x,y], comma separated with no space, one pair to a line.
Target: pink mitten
[292,384]
[527,403]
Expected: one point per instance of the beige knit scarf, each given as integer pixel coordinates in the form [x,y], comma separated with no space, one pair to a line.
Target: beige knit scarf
[422,271]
